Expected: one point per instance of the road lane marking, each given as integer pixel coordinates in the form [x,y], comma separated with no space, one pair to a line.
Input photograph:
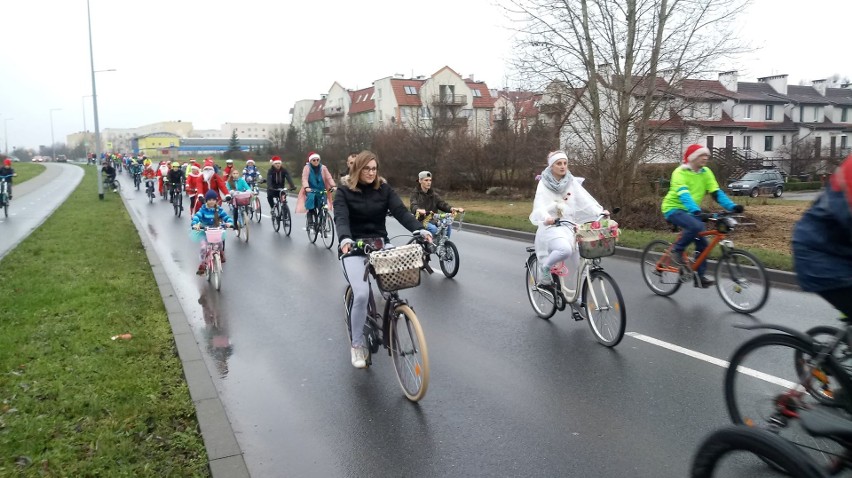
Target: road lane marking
[713,360]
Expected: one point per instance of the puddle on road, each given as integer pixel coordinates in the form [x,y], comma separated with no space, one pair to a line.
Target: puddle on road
[218,343]
[152,231]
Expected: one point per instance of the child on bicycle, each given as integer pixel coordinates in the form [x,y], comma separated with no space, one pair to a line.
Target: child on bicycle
[559,195]
[822,242]
[251,174]
[8,172]
[211,214]
[682,205]
[236,182]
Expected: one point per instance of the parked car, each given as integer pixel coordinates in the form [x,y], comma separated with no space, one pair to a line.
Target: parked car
[763,181]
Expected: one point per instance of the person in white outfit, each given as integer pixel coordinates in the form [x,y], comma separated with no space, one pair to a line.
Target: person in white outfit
[560,195]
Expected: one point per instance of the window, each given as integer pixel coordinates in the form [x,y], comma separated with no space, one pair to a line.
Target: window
[843,115]
[425,113]
[746,142]
[767,143]
[373,96]
[711,110]
[476,93]
[770,109]
[380,93]
[816,114]
[410,90]
[784,139]
[747,111]
[843,142]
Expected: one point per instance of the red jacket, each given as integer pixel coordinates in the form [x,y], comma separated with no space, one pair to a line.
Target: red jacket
[215,183]
[194,184]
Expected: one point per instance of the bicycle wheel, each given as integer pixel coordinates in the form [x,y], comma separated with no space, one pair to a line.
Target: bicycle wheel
[5,207]
[662,277]
[604,308]
[449,259]
[741,281]
[216,273]
[256,209]
[542,300]
[286,219]
[327,227]
[245,223]
[765,387]
[717,456]
[276,218]
[409,353]
[312,228]
[822,336]
[347,307]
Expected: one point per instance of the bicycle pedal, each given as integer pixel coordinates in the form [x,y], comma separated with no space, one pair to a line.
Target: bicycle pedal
[577,316]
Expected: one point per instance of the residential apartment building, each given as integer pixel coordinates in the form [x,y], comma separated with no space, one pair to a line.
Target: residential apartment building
[444,100]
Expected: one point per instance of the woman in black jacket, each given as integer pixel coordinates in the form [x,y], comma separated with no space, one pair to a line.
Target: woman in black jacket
[360,208]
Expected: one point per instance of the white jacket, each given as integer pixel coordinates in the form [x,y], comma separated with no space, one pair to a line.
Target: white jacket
[577,206]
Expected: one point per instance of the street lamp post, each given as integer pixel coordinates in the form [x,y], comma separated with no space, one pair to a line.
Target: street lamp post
[97,150]
[6,134]
[52,142]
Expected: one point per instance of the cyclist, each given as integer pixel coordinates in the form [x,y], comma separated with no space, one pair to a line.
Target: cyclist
[251,173]
[162,172]
[682,205]
[822,242]
[210,181]
[559,195]
[135,168]
[315,178]
[7,170]
[194,182]
[211,214]
[175,176]
[275,178]
[236,182]
[109,170]
[229,166]
[424,199]
[360,209]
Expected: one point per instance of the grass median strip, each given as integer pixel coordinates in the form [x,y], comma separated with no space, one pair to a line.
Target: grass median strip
[74,401]
[25,171]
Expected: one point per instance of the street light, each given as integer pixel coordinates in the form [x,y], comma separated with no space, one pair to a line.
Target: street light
[52,142]
[95,103]
[6,133]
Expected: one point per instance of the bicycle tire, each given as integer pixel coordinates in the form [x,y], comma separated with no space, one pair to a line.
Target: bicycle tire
[312,229]
[347,307]
[607,322]
[286,220]
[450,261]
[6,208]
[841,353]
[765,445]
[759,398]
[542,301]
[409,353]
[245,223]
[276,219]
[216,274]
[256,209]
[327,226]
[736,279]
[655,256]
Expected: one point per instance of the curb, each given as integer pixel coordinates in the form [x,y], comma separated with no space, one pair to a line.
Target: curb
[225,458]
[782,279]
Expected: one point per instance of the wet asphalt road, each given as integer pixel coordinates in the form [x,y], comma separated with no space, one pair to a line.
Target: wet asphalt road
[510,394]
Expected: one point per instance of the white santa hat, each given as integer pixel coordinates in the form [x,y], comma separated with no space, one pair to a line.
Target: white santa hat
[556,156]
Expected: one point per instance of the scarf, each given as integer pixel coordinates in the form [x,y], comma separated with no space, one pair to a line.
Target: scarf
[557,186]
[315,180]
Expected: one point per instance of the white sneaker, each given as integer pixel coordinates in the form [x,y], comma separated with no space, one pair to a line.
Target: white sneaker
[544,277]
[359,357]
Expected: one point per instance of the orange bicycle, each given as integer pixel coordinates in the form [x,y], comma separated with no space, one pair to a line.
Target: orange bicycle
[740,277]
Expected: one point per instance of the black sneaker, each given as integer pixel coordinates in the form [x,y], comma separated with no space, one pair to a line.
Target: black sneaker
[706,281]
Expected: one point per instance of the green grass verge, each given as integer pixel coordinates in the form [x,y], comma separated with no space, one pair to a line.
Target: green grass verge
[26,171]
[75,402]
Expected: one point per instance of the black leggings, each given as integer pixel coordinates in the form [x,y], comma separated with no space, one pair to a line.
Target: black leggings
[841,299]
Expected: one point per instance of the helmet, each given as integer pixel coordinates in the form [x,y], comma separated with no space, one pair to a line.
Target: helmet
[175,164]
[229,161]
[147,162]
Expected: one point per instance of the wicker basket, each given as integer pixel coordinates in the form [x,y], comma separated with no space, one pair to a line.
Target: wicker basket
[398,268]
[597,239]
[242,198]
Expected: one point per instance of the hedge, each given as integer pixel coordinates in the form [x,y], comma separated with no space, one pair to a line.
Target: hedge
[813,185]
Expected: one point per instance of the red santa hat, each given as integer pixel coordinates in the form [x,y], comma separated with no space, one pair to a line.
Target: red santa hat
[841,180]
[275,159]
[208,163]
[313,155]
[693,152]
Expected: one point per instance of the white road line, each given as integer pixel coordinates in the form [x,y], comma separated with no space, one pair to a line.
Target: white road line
[713,360]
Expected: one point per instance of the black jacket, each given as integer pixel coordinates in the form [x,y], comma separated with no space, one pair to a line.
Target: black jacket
[275,178]
[360,215]
[428,201]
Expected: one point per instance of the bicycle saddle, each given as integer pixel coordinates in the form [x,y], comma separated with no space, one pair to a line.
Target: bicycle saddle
[530,248]
[821,423]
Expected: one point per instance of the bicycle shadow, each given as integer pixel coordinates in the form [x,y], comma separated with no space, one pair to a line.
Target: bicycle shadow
[218,344]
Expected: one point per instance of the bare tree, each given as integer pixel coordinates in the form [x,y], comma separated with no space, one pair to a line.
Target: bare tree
[625,58]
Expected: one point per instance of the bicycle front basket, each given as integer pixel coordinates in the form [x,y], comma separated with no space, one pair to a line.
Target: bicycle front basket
[597,239]
[398,268]
[242,198]
[214,236]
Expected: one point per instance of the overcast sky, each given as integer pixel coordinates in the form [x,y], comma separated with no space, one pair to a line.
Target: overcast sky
[211,62]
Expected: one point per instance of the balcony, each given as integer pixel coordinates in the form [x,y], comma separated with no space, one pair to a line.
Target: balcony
[334,111]
[450,122]
[449,100]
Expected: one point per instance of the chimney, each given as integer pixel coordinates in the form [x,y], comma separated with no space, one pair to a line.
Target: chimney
[671,75]
[605,71]
[777,82]
[470,77]
[820,86]
[728,79]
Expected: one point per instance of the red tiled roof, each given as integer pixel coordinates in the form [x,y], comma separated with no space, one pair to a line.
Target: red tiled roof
[638,85]
[528,108]
[705,90]
[674,123]
[483,101]
[402,98]
[362,101]
[317,112]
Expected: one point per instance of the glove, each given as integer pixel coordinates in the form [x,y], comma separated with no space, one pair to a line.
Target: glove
[704,216]
[425,234]
[738,209]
